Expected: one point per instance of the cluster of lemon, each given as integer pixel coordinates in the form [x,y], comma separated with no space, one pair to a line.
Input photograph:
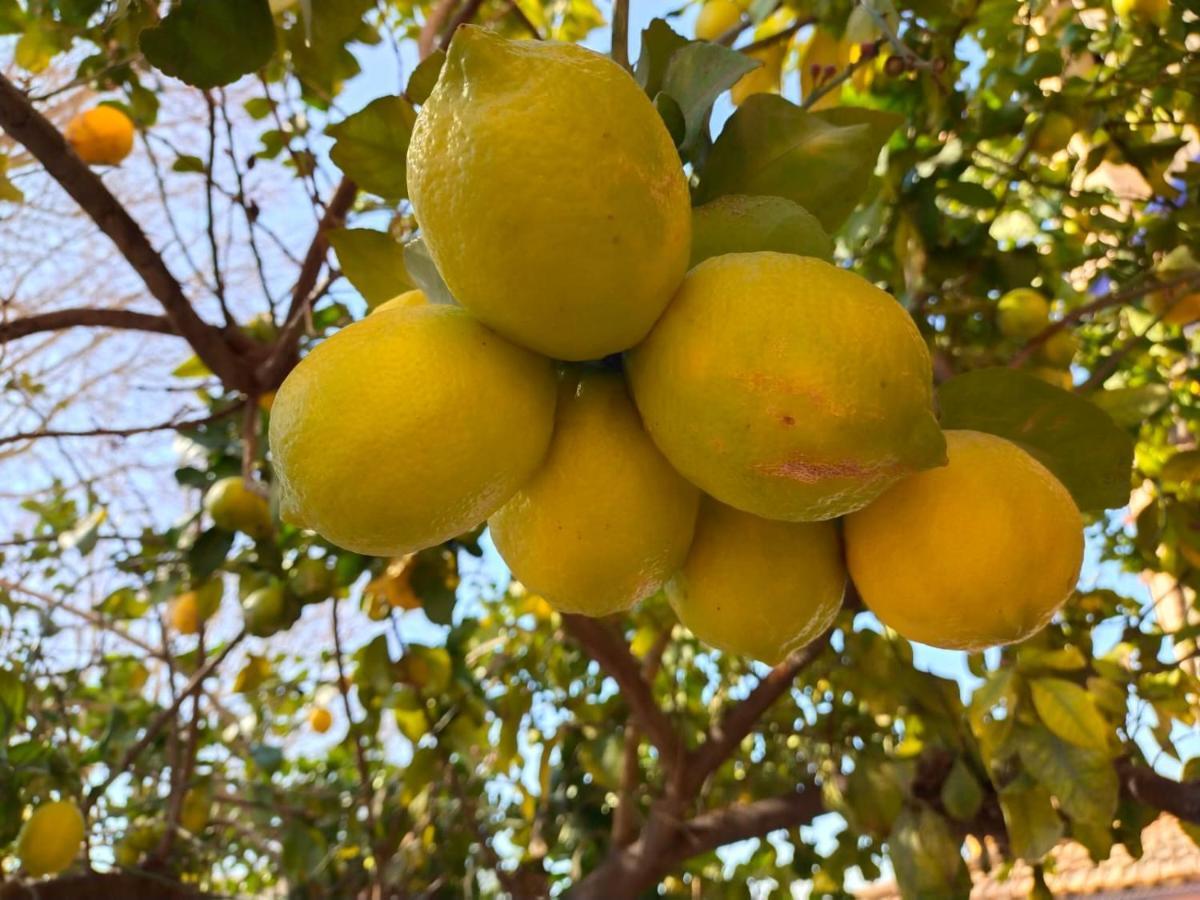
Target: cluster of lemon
[767,427]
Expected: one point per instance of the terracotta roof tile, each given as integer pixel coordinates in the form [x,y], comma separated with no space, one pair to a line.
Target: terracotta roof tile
[1169,858]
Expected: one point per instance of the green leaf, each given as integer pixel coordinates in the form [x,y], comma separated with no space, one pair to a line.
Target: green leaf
[208,43]
[372,144]
[12,700]
[434,576]
[185,163]
[1070,712]
[821,161]
[266,757]
[1079,443]
[1064,659]
[1083,780]
[422,270]
[424,77]
[209,551]
[304,849]
[659,43]
[672,116]
[999,688]
[739,224]
[373,262]
[1032,823]
[86,532]
[373,670]
[970,194]
[961,794]
[696,75]
[1132,406]
[192,367]
[926,856]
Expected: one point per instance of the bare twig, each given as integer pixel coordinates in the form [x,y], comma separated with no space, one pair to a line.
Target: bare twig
[160,721]
[620,33]
[437,16]
[781,35]
[171,425]
[25,124]
[211,225]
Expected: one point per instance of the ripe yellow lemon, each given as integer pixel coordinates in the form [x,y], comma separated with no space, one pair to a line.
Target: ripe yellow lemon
[550,194]
[737,223]
[408,428]
[235,506]
[787,387]
[402,301]
[103,135]
[606,520]
[1022,313]
[319,719]
[981,552]
[192,608]
[716,17]
[758,588]
[51,838]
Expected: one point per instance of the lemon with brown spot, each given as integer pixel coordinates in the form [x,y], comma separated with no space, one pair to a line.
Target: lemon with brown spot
[550,194]
[758,588]
[408,428]
[606,520]
[102,135]
[981,552]
[787,387]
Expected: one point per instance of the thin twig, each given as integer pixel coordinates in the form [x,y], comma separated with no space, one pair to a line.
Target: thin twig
[620,33]
[172,425]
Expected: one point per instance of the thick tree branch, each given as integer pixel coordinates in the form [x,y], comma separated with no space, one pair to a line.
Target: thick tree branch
[1180,799]
[24,123]
[60,319]
[725,735]
[608,649]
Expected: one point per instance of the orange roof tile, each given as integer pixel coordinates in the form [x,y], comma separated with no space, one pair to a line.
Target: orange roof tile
[1169,867]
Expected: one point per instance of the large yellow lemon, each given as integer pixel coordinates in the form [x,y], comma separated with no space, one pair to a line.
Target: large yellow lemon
[606,520]
[102,135]
[1022,313]
[235,506]
[758,588]
[51,838]
[550,194]
[787,387]
[716,17]
[408,428]
[981,552]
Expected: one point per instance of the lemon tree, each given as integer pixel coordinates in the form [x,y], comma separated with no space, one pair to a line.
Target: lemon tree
[523,449]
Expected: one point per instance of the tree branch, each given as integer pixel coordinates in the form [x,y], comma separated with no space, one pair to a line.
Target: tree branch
[25,124]
[608,649]
[620,33]
[725,736]
[61,319]
[171,425]
[283,356]
[1180,799]
[1113,298]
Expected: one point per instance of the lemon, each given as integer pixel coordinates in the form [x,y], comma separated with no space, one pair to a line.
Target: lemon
[550,194]
[1175,311]
[1022,313]
[103,135]
[716,17]
[192,608]
[51,838]
[196,810]
[1054,134]
[740,224]
[319,719]
[606,520]
[787,387]
[403,301]
[758,588]
[311,579]
[981,552]
[1059,349]
[265,610]
[1154,12]
[408,428]
[235,506]
[766,79]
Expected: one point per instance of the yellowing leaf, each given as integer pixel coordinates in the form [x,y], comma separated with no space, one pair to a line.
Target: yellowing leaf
[1033,825]
[1070,712]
